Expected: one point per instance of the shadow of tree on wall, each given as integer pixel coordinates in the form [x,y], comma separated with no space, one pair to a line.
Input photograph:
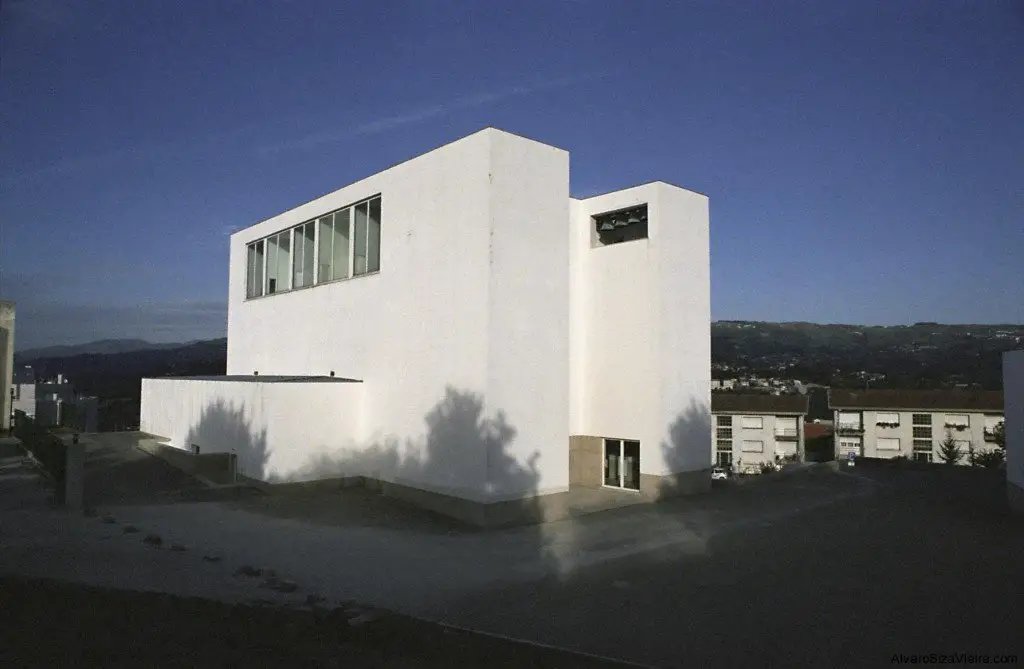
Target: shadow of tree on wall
[223,428]
[463,453]
[689,447]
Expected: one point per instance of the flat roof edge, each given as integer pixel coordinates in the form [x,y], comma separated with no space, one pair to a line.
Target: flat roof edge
[237,378]
[392,166]
[639,185]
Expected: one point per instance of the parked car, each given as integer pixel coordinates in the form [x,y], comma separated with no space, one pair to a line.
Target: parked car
[719,474]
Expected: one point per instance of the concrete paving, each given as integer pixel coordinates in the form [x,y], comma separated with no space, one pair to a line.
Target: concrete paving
[819,568]
[117,472]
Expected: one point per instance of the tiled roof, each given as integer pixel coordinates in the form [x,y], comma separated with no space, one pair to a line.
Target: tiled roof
[948,399]
[814,430]
[758,403]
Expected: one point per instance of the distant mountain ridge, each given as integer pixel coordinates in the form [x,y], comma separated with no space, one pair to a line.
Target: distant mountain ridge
[793,333]
[922,355]
[99,347]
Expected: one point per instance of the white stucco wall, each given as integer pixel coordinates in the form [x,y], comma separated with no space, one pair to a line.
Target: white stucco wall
[528,313]
[465,322]
[291,431]
[25,398]
[1013,398]
[640,324]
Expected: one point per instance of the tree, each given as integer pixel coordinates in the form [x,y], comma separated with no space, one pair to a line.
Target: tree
[996,456]
[1000,436]
[992,458]
[949,450]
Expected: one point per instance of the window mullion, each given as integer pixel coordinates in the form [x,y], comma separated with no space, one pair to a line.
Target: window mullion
[316,251]
[352,242]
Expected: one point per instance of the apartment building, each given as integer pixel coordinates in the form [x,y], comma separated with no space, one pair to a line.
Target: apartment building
[755,429]
[462,331]
[52,402]
[913,423]
[1013,388]
[24,395]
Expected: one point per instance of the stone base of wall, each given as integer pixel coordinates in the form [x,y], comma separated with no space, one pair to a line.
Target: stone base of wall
[527,511]
[586,461]
[210,468]
[1015,495]
[656,487]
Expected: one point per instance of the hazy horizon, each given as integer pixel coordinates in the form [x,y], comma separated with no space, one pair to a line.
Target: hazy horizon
[150,340]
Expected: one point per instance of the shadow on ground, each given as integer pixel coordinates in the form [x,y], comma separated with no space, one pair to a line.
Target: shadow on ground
[116,472]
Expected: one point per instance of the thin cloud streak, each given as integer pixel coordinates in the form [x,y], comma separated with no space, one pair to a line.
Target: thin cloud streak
[428,112]
[120,157]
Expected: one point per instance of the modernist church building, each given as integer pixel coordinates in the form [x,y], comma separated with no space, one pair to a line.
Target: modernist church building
[466,335]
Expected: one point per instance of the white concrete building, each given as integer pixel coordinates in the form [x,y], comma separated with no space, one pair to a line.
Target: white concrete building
[24,385]
[756,429]
[460,329]
[6,363]
[913,423]
[1013,389]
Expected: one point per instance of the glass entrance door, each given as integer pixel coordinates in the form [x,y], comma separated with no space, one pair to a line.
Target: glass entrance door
[622,464]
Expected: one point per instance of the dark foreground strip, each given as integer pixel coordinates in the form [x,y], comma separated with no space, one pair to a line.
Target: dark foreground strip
[47,623]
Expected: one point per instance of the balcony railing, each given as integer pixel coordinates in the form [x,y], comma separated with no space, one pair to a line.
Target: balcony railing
[849,428]
[786,433]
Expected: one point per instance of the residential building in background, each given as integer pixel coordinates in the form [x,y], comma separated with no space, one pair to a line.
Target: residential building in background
[6,363]
[24,385]
[756,429]
[913,423]
[1013,389]
[54,402]
[461,330]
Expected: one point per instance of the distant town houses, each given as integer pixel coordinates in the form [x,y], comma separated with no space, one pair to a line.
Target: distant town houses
[769,385]
[756,432]
[921,425]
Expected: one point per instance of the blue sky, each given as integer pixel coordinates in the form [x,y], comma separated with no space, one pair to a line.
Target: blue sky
[864,160]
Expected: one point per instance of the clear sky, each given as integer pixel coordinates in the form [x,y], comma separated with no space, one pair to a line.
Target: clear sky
[864,160]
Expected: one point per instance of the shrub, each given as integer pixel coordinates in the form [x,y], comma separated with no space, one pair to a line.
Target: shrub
[990,459]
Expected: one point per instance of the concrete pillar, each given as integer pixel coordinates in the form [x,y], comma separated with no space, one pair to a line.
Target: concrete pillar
[1013,427]
[74,477]
[6,362]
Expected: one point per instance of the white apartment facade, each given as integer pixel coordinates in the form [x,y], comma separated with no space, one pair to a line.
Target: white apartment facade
[1013,389]
[913,423]
[752,430]
[461,330]
[24,395]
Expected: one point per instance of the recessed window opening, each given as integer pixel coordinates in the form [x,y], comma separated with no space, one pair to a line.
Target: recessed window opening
[622,464]
[625,225]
